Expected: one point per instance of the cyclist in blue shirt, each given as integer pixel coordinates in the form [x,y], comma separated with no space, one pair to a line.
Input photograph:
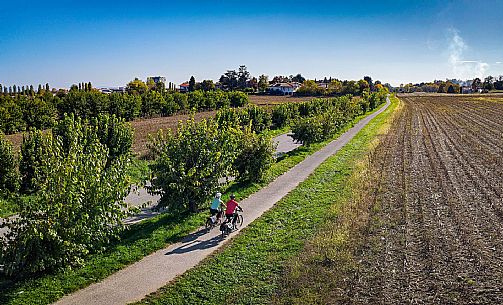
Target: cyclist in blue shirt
[215,204]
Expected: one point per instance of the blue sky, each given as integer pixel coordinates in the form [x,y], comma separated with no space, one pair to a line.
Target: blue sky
[110,43]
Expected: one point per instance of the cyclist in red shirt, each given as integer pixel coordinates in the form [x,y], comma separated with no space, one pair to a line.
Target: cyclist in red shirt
[230,211]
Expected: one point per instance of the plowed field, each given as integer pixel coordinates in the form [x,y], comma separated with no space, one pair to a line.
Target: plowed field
[437,235]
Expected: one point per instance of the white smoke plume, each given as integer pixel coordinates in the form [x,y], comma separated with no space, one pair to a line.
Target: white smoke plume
[463,69]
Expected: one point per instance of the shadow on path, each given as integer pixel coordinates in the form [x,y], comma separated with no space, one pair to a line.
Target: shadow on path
[196,245]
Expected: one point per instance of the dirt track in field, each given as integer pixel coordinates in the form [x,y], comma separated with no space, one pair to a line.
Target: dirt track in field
[437,237]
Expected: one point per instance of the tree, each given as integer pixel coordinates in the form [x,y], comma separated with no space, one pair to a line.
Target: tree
[280,79]
[229,80]
[334,87]
[150,83]
[253,84]
[256,155]
[137,87]
[207,85]
[298,78]
[364,86]
[89,86]
[368,79]
[310,87]
[476,84]
[489,83]
[189,163]
[192,84]
[263,83]
[9,175]
[243,77]
[78,210]
[47,88]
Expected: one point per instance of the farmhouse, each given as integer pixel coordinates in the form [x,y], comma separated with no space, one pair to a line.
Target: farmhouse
[283,88]
[184,87]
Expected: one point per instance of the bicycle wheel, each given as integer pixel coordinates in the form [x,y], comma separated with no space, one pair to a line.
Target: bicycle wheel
[209,224]
[239,221]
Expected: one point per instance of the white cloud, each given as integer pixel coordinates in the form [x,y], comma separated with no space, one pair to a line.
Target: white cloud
[463,69]
[499,62]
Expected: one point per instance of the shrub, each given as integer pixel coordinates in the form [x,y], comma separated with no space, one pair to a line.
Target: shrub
[260,119]
[125,105]
[37,112]
[114,133]
[256,155]
[284,114]
[152,103]
[318,128]
[189,163]
[238,98]
[78,209]
[256,117]
[9,175]
[33,151]
[11,115]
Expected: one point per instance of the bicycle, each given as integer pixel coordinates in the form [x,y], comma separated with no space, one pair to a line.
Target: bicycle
[232,224]
[213,221]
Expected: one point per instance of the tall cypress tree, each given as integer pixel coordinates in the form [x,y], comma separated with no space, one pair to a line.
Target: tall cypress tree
[39,89]
[89,86]
[192,84]
[14,89]
[47,87]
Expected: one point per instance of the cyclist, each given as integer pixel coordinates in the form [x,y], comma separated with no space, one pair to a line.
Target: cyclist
[215,205]
[230,210]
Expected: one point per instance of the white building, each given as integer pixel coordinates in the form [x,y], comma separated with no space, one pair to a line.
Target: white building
[283,88]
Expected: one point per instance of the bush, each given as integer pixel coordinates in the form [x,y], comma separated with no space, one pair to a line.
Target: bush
[284,114]
[326,117]
[34,149]
[256,117]
[78,209]
[114,133]
[189,163]
[127,106]
[256,155]
[37,112]
[9,175]
[238,98]
[11,115]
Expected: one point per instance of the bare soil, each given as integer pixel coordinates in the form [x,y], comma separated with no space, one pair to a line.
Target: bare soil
[437,233]
[271,100]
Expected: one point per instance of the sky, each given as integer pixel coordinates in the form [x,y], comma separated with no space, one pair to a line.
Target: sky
[111,42]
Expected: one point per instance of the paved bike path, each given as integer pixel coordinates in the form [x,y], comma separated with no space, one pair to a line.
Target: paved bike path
[156,270]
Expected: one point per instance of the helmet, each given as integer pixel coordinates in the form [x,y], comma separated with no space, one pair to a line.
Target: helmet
[233,196]
[218,195]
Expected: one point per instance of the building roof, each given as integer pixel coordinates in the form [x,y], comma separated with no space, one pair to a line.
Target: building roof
[186,84]
[282,85]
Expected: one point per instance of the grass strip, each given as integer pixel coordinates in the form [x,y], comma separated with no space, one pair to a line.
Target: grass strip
[7,207]
[248,270]
[139,241]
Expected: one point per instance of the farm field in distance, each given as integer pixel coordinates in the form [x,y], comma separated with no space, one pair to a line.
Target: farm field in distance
[145,126]
[437,233]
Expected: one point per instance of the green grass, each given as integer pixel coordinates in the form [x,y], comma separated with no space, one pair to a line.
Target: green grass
[248,270]
[139,172]
[7,207]
[140,240]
